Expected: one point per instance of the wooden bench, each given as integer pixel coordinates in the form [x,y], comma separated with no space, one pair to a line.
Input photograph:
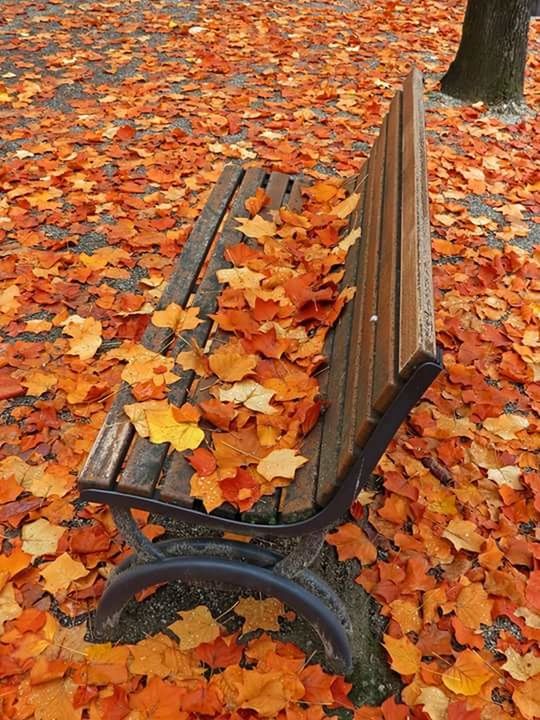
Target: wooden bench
[382,357]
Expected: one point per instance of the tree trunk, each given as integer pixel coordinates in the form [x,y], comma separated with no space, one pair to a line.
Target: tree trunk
[490,62]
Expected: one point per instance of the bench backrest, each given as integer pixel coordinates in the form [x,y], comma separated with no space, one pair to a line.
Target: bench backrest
[389,330]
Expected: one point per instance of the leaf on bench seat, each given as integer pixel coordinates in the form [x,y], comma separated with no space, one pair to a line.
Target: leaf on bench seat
[176,318]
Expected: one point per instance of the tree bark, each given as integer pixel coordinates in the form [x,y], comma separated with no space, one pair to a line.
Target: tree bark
[490,61]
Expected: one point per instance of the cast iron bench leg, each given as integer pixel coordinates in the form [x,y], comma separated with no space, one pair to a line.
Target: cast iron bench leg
[220,563]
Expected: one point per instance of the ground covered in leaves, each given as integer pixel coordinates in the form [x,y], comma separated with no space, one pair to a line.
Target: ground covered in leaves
[116,119]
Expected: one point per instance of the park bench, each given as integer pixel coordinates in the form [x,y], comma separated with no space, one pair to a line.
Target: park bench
[382,356]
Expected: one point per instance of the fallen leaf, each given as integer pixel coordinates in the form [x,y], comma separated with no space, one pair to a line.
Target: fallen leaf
[41,537]
[527,698]
[61,572]
[280,463]
[251,394]
[351,541]
[85,334]
[176,318]
[195,627]
[259,614]
[256,227]
[468,674]
[463,535]
[163,427]
[404,655]
[506,426]
[521,667]
[435,702]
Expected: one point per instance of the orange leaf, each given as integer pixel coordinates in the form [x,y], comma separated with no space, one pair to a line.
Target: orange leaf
[468,674]
[350,541]
[405,656]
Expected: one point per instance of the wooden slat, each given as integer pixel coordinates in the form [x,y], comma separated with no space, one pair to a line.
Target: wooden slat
[265,510]
[145,459]
[416,331]
[358,382]
[329,431]
[114,438]
[386,372]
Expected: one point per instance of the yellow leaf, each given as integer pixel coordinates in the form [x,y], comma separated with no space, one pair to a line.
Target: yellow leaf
[506,426]
[176,318]
[136,412]
[108,653]
[468,674]
[531,618]
[230,364]
[521,667]
[346,207]
[194,359]
[256,227]
[41,537]
[59,574]
[9,607]
[434,701]
[38,382]
[251,394]
[52,700]
[240,278]
[527,698]
[85,336]
[161,656]
[34,478]
[508,475]
[462,534]
[195,627]
[280,463]
[37,326]
[8,299]
[163,427]
[145,365]
[259,614]
[405,656]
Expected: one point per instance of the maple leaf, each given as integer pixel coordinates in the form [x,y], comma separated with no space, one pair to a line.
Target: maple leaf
[508,475]
[145,365]
[160,655]
[176,318]
[207,489]
[85,336]
[527,698]
[231,364]
[38,382]
[463,535]
[280,464]
[473,606]
[41,537]
[203,461]
[435,703]
[195,627]
[404,655]
[136,412]
[506,426]
[259,614]
[256,203]
[194,359]
[220,653]
[9,607]
[521,667]
[350,541]
[240,278]
[61,572]
[468,674]
[251,394]
[164,427]
[256,227]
